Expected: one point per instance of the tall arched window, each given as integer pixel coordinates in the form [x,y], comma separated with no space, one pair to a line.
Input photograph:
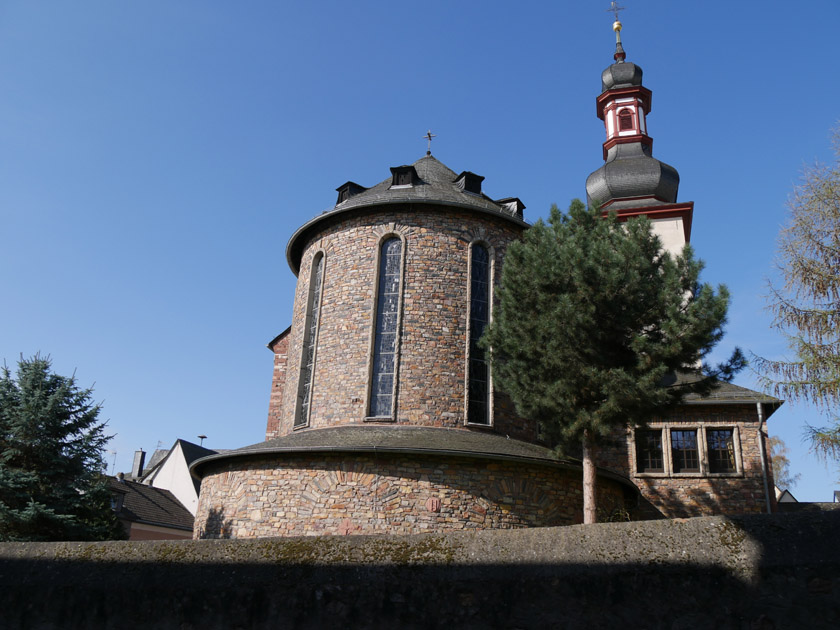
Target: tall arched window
[310,341]
[385,329]
[478,384]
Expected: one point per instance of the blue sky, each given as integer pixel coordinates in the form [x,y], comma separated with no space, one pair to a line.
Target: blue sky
[156,156]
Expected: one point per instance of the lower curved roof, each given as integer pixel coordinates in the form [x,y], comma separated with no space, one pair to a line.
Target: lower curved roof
[405,440]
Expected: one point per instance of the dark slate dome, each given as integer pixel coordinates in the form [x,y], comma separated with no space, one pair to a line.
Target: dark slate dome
[619,75]
[629,175]
[427,181]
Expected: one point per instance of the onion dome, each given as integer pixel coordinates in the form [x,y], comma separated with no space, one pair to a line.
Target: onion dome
[619,75]
[630,176]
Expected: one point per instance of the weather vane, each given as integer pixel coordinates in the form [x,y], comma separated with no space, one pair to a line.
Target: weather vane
[614,9]
[429,135]
[619,55]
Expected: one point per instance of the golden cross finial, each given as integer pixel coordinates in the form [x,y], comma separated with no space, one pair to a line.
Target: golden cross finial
[429,135]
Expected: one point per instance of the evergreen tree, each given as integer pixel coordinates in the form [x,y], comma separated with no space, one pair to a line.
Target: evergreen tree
[52,485]
[807,304]
[592,315]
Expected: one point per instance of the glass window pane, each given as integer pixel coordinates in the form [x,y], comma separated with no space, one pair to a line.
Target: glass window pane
[649,451]
[307,366]
[478,395]
[684,451]
[385,332]
[721,448]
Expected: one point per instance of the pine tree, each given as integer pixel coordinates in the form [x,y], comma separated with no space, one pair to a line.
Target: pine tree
[807,304]
[592,315]
[51,482]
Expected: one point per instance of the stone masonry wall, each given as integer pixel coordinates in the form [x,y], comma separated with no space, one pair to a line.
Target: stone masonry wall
[300,495]
[779,571]
[704,493]
[432,360]
[280,348]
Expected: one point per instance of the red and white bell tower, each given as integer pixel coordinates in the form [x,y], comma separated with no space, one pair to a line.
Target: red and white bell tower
[632,182]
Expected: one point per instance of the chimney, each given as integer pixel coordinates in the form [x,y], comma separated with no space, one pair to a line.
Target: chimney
[139,460]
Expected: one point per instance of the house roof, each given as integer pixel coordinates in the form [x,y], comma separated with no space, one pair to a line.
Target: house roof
[725,394]
[436,184]
[191,453]
[157,457]
[151,506]
[270,344]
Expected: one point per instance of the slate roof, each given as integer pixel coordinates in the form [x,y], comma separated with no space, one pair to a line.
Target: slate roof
[436,185]
[631,178]
[619,75]
[725,394]
[157,457]
[151,506]
[191,453]
[394,439]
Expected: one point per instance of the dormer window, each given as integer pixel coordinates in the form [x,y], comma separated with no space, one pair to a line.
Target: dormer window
[345,191]
[403,176]
[469,182]
[512,205]
[625,120]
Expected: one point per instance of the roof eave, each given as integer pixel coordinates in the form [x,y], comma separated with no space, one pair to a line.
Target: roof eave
[309,225]
[565,464]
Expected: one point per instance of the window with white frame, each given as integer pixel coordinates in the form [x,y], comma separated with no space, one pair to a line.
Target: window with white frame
[649,451]
[720,445]
[625,120]
[687,450]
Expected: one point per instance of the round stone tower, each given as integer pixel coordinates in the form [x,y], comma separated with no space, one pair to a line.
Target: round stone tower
[383,416]
[394,290]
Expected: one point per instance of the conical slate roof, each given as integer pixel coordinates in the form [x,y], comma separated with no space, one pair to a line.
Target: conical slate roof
[436,185]
[432,183]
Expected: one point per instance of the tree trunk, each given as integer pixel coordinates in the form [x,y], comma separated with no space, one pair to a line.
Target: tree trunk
[590,514]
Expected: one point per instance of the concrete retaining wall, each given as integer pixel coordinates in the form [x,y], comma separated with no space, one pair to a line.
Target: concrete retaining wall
[763,571]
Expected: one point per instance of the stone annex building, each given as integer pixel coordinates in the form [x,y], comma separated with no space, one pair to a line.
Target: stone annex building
[383,417]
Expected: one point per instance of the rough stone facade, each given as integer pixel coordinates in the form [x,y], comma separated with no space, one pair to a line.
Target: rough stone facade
[699,493]
[752,572]
[335,494]
[308,479]
[280,347]
[432,345]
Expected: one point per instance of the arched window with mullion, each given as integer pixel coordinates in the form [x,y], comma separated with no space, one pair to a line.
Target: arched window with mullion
[384,368]
[478,379]
[310,342]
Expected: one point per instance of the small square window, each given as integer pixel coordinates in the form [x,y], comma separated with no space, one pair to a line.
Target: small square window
[721,447]
[649,452]
[684,455]
[403,176]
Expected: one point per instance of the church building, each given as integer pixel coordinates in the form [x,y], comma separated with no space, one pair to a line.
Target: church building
[383,415]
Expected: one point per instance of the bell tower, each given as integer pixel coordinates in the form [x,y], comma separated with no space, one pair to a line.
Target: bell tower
[632,182]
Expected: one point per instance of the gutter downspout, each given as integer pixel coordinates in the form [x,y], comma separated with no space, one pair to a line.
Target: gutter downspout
[763,455]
